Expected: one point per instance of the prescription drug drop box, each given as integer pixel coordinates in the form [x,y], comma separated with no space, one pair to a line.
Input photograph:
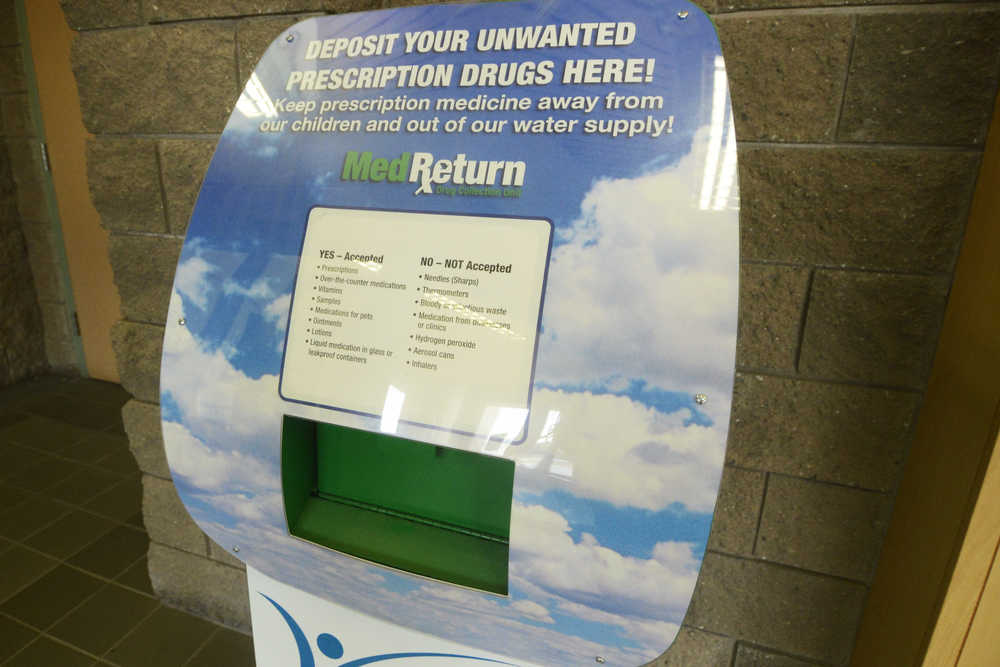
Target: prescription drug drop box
[450,348]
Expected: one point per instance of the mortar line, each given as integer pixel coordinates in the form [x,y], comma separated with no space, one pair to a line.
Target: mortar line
[794,568]
[64,561]
[760,513]
[163,188]
[767,372]
[236,58]
[237,18]
[781,652]
[40,634]
[214,136]
[130,632]
[840,485]
[846,269]
[803,317]
[201,646]
[146,23]
[147,323]
[886,8]
[847,76]
[862,145]
[202,556]
[77,568]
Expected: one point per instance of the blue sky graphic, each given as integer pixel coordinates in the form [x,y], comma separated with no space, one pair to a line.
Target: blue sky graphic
[248,226]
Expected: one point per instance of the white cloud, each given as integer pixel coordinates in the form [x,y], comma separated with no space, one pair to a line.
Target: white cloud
[593,575]
[532,610]
[260,289]
[644,287]
[620,451]
[248,506]
[277,311]
[213,468]
[219,404]
[656,634]
[192,280]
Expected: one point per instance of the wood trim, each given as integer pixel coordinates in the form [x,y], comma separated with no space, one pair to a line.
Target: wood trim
[98,305]
[954,437]
[958,638]
[981,646]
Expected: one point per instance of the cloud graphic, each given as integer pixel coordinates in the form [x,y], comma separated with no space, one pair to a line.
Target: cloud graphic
[602,446]
[260,289]
[589,574]
[616,449]
[277,311]
[237,410]
[213,468]
[642,287]
[192,280]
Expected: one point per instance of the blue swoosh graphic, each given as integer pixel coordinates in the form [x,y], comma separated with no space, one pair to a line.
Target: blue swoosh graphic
[397,656]
[305,653]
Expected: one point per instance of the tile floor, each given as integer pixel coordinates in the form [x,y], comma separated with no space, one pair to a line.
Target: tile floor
[74,589]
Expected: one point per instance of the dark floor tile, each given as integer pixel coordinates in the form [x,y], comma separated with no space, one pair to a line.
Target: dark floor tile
[226,648]
[95,448]
[165,639]
[121,462]
[15,459]
[30,516]
[100,391]
[84,485]
[47,600]
[11,416]
[70,534]
[19,568]
[137,577]
[81,413]
[98,624]
[10,496]
[44,474]
[22,398]
[47,653]
[121,502]
[113,553]
[13,637]
[45,433]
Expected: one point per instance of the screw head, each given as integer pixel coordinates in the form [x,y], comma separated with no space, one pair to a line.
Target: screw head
[236,549]
[290,38]
[701,399]
[600,659]
[182,321]
[683,14]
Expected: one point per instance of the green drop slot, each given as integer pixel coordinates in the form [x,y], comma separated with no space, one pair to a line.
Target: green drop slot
[434,511]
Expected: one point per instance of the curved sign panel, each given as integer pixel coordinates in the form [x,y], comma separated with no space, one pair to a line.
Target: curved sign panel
[452,335]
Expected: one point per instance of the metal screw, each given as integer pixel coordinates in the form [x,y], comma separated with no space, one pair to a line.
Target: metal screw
[182,321]
[289,38]
[700,399]
[236,549]
[682,14]
[600,659]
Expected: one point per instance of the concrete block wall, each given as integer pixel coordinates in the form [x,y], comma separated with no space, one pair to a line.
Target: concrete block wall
[34,328]
[860,129]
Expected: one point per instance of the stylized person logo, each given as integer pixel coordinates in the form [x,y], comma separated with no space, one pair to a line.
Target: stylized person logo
[331,647]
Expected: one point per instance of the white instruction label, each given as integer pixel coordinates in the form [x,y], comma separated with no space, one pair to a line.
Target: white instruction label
[419,317]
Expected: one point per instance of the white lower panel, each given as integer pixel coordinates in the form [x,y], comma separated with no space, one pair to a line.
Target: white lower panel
[292,628]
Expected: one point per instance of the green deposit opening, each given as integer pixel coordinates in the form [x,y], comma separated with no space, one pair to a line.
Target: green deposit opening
[434,511]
